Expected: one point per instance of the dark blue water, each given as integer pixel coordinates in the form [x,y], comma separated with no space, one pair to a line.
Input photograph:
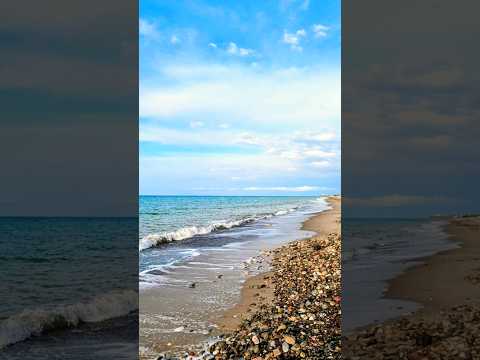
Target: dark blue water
[64,272]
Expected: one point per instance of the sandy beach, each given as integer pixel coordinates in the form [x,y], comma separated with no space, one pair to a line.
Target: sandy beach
[258,290]
[446,285]
[292,311]
[228,280]
[448,278]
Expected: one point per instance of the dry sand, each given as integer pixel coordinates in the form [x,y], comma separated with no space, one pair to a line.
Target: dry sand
[448,278]
[300,316]
[447,285]
[258,290]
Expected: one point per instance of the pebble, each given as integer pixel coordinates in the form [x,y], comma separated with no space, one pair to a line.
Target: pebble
[452,334]
[303,321]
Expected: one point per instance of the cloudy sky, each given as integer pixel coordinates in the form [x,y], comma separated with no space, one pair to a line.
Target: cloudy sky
[410,109]
[239,98]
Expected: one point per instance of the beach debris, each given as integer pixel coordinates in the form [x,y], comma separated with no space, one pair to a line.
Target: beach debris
[192,285]
[219,276]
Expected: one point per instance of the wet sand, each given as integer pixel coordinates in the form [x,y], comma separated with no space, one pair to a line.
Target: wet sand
[447,286]
[448,278]
[258,290]
[177,317]
[300,316]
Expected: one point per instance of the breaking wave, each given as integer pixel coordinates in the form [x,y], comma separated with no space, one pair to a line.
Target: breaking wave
[152,240]
[35,322]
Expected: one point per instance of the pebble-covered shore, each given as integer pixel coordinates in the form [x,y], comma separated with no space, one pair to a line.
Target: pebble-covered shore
[453,334]
[303,322]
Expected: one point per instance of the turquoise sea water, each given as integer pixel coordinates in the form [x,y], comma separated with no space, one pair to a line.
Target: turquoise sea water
[175,228]
[214,243]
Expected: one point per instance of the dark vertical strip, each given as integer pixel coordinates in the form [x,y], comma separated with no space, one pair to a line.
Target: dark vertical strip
[409,153]
[69,179]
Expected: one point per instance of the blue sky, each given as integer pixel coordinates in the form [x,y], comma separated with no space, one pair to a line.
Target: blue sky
[240,97]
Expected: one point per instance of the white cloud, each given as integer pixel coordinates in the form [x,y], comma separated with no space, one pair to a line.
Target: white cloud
[224,126]
[301,33]
[314,137]
[233,49]
[294,96]
[196,124]
[278,149]
[320,164]
[148,29]
[317,153]
[212,45]
[304,188]
[320,31]
[248,139]
[293,39]
[174,40]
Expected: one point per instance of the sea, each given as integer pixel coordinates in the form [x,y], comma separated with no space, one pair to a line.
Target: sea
[375,251]
[68,288]
[174,229]
[195,252]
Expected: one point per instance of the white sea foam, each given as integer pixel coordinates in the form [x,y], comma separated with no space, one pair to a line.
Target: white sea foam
[156,239]
[35,322]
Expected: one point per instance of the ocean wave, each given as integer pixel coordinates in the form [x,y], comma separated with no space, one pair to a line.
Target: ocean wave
[153,240]
[157,239]
[35,322]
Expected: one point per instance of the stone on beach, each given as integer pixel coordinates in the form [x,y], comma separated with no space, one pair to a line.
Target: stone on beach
[303,322]
[453,334]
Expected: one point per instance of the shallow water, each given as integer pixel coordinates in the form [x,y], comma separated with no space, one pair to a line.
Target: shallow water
[171,311]
[375,251]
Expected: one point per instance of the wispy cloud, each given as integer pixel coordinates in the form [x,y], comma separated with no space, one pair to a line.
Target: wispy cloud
[303,188]
[226,107]
[196,124]
[296,96]
[294,39]
[320,31]
[148,29]
[233,49]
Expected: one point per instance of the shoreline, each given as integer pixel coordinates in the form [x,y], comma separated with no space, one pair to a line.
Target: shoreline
[453,266]
[297,303]
[258,289]
[184,319]
[447,287]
